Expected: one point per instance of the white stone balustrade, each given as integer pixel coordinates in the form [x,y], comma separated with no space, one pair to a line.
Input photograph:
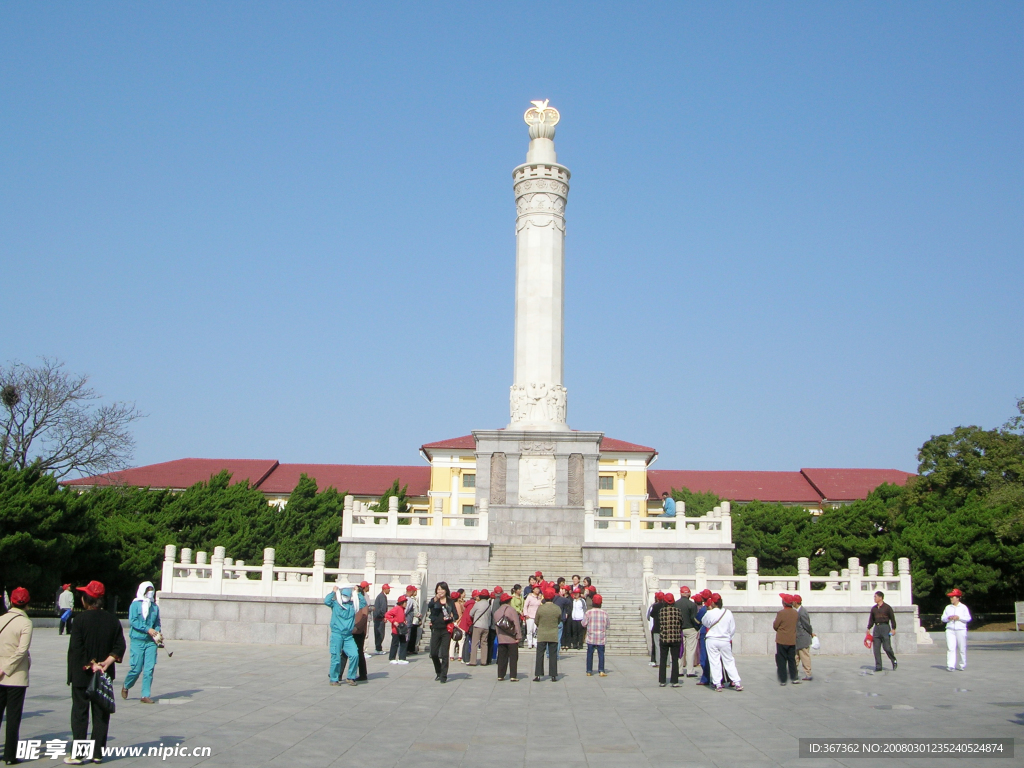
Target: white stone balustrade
[222,576]
[852,588]
[361,522]
[713,528]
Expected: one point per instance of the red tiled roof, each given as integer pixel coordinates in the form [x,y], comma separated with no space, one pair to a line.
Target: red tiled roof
[612,445]
[787,487]
[357,479]
[468,442]
[850,484]
[183,473]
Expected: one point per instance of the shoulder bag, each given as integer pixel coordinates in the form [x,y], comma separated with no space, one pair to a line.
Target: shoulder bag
[101,692]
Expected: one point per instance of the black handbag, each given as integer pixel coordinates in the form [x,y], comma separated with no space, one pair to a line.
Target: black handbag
[101,692]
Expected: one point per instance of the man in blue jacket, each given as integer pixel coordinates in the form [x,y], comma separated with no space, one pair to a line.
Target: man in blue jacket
[343,619]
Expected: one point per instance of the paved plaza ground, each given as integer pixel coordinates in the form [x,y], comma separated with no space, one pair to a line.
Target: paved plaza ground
[271,706]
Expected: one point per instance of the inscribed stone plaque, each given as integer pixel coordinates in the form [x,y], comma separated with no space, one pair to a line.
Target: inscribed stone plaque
[537,480]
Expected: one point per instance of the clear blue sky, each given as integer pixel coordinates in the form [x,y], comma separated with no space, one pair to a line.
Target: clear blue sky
[287,230]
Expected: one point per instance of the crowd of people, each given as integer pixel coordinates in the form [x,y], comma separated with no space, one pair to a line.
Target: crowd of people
[692,637]
[479,629]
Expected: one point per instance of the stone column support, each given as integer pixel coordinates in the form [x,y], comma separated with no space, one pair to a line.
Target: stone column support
[319,557]
[803,571]
[267,576]
[906,593]
[752,582]
[167,574]
[218,569]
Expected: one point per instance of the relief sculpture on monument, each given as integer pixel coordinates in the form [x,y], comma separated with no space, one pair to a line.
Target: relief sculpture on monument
[537,480]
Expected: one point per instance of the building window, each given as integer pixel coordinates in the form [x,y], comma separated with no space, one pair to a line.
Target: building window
[606,482]
[469,509]
[468,481]
[604,512]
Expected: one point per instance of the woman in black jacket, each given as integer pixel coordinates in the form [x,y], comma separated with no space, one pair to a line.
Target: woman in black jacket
[441,611]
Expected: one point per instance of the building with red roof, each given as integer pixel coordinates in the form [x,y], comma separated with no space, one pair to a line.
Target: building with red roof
[625,477]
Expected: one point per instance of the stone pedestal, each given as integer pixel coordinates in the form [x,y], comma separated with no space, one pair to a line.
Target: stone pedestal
[535,484]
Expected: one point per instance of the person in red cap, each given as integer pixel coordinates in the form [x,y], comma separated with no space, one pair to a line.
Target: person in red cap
[804,637]
[549,616]
[466,625]
[882,626]
[380,608]
[595,621]
[669,638]
[721,626]
[480,619]
[66,607]
[691,628]
[509,632]
[399,630]
[956,617]
[96,644]
[785,625]
[413,617]
[359,628]
[15,639]
[492,631]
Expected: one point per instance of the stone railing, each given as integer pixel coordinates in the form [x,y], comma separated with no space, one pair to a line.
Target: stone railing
[851,587]
[224,576]
[361,522]
[713,528]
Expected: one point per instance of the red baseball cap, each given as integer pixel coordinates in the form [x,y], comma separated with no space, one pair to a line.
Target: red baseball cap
[65,586]
[506,597]
[411,588]
[484,593]
[669,598]
[549,594]
[684,590]
[476,593]
[498,590]
[19,597]
[796,599]
[954,593]
[93,589]
[403,599]
[386,586]
[364,584]
[715,597]
[538,574]
[598,600]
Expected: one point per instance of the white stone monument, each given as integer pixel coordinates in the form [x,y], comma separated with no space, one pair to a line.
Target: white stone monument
[536,474]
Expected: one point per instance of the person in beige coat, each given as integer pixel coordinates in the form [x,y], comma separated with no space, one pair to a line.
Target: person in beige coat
[15,638]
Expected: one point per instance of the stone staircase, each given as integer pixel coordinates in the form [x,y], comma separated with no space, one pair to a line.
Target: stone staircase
[510,565]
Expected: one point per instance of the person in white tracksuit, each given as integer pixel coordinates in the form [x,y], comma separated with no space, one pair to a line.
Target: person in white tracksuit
[956,617]
[721,627]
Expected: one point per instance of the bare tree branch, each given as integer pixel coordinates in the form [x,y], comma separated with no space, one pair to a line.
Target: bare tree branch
[51,417]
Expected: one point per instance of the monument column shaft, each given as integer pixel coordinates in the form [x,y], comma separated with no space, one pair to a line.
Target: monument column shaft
[537,398]
[540,299]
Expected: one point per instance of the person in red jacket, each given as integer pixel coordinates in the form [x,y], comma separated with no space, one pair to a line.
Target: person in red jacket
[399,631]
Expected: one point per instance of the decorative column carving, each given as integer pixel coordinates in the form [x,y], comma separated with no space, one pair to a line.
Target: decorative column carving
[499,471]
[575,479]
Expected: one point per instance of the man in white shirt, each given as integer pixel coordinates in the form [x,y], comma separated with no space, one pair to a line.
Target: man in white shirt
[721,627]
[956,617]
